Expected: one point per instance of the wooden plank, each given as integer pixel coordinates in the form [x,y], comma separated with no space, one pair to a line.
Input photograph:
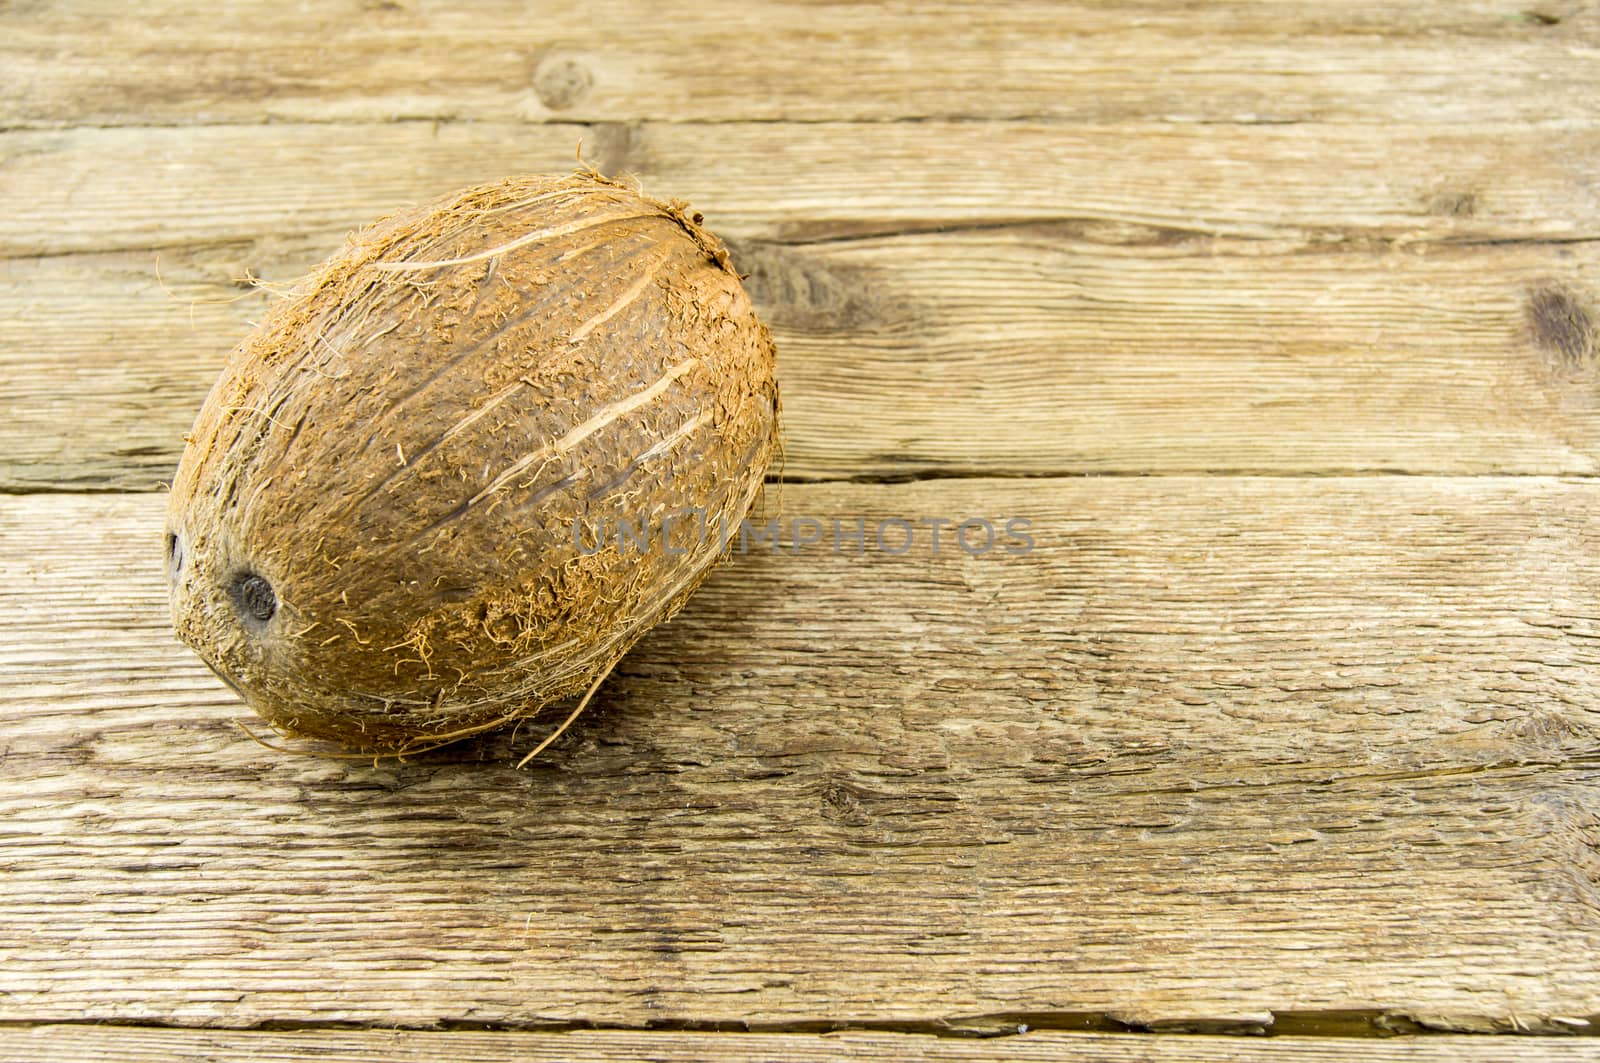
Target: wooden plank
[1032,350]
[93,189]
[1109,292]
[88,1044]
[1245,61]
[1211,751]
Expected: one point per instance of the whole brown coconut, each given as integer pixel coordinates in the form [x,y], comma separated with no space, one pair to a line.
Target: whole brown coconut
[397,518]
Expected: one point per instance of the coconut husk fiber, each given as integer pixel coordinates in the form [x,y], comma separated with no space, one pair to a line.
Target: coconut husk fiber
[394,521]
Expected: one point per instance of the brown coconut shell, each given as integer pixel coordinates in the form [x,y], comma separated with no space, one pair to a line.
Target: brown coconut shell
[395,520]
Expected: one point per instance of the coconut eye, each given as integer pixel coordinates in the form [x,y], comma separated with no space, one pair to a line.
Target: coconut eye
[254,597]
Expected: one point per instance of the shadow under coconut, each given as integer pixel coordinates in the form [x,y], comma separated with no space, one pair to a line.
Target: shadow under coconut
[662,712]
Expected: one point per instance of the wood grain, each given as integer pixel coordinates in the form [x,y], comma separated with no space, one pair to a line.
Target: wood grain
[1032,349]
[1442,61]
[80,1044]
[108,189]
[1215,749]
[1285,750]
[1030,300]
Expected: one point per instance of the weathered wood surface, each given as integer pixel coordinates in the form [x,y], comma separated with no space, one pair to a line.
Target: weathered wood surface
[1216,748]
[1103,294]
[80,1044]
[1154,184]
[1459,61]
[1275,747]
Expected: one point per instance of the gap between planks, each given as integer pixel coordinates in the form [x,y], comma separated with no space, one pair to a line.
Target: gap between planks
[80,1044]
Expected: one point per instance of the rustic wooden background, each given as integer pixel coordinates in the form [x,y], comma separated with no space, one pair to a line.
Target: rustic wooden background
[1275,319]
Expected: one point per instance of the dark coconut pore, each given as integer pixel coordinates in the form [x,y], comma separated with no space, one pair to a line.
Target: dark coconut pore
[371,531]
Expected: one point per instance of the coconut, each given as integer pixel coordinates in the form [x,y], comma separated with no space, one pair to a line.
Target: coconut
[463,466]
